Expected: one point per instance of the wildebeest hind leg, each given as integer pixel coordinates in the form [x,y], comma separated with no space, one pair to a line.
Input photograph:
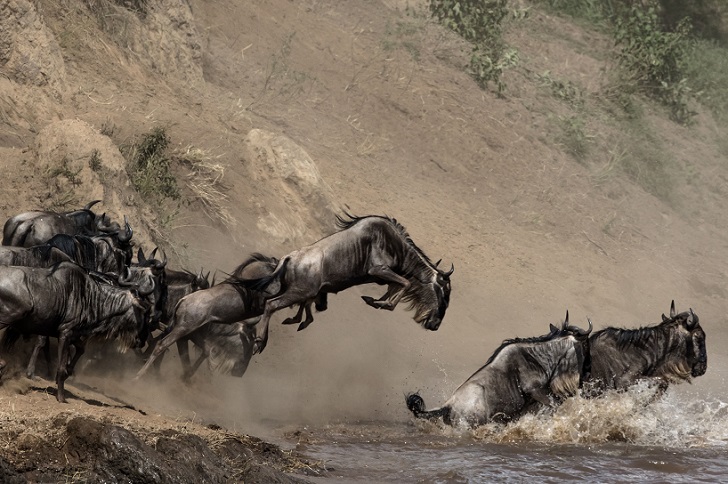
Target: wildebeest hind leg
[271,306]
[181,329]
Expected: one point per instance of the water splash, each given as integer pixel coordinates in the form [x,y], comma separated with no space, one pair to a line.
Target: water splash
[637,416]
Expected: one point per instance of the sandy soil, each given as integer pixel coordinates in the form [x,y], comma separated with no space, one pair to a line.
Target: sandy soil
[378,98]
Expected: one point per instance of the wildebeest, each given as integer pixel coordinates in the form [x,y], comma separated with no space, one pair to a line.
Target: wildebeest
[227,303]
[670,352]
[146,279]
[92,253]
[64,301]
[37,227]
[370,249]
[36,256]
[520,374]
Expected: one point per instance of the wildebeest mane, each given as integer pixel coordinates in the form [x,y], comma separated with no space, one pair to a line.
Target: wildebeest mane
[642,336]
[80,248]
[42,252]
[345,223]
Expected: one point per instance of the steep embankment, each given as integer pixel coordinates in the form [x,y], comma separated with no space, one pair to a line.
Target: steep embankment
[299,109]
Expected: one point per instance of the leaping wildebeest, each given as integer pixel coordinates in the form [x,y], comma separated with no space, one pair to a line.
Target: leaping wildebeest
[371,249]
[64,301]
[37,227]
[672,351]
[520,374]
[227,303]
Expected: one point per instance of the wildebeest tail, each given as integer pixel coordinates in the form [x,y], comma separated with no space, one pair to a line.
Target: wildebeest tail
[416,405]
[261,283]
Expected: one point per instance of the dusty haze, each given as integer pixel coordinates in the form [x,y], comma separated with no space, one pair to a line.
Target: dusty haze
[378,99]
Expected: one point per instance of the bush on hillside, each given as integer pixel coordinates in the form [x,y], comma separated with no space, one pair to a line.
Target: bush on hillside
[655,59]
[479,22]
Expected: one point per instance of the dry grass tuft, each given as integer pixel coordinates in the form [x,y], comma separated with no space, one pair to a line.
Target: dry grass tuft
[205,181]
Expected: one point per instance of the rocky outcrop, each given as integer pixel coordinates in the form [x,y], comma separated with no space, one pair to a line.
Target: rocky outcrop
[302,203]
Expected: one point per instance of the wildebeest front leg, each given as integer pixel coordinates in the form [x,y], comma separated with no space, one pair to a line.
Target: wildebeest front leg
[299,315]
[308,320]
[40,343]
[541,395]
[393,295]
[62,367]
[79,350]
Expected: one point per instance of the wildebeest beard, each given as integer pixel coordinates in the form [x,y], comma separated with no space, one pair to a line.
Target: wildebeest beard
[423,300]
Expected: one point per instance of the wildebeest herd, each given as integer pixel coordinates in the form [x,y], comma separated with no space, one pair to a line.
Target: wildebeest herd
[72,276]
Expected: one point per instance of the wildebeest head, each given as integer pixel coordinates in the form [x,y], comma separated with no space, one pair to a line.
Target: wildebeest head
[149,278]
[689,340]
[141,290]
[430,299]
[583,349]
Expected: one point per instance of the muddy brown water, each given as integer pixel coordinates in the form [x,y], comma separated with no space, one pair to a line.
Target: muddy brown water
[619,438]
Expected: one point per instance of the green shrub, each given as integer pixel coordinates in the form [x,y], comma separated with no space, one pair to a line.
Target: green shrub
[654,59]
[479,22]
[574,138]
[149,166]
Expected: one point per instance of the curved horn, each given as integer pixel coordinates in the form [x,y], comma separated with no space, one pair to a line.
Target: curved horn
[154,253]
[588,331]
[673,313]
[140,256]
[565,325]
[692,320]
[90,204]
[125,277]
[126,236]
[159,265]
[437,263]
[452,269]
[144,291]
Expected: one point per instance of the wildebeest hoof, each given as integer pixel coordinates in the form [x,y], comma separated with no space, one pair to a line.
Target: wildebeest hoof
[369,300]
[291,321]
[303,325]
[258,346]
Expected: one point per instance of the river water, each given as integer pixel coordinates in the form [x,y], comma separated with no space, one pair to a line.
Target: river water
[617,438]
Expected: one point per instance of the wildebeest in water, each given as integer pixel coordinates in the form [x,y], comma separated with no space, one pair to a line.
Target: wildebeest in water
[670,352]
[370,249]
[521,374]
